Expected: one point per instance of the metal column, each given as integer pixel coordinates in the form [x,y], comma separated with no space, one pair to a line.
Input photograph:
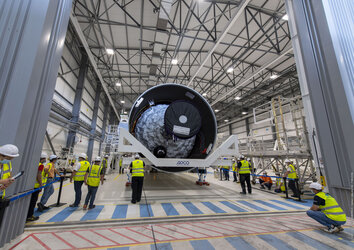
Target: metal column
[247,121]
[322,37]
[31,43]
[94,122]
[104,125]
[77,101]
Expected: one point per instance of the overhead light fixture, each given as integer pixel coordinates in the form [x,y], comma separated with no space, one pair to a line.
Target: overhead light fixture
[230,70]
[110,51]
[122,101]
[204,94]
[174,61]
[226,120]
[244,113]
[216,110]
[274,76]
[285,17]
[237,98]
[118,84]
[125,112]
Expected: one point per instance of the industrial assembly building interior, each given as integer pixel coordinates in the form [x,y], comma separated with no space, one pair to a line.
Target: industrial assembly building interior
[176,124]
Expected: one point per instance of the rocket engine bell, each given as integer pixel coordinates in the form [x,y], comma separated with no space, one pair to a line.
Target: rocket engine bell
[173,121]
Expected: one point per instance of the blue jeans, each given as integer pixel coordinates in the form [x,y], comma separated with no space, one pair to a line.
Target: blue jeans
[321,218]
[77,188]
[48,191]
[91,195]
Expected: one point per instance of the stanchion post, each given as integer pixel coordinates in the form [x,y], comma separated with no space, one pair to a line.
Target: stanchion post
[286,188]
[58,204]
[298,188]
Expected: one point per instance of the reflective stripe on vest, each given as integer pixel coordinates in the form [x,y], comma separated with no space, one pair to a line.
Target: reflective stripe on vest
[93,178]
[331,208]
[37,184]
[137,168]
[80,174]
[5,174]
[292,174]
[245,167]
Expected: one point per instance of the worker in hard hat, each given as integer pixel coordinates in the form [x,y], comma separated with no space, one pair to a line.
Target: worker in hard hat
[244,170]
[137,170]
[48,177]
[121,170]
[105,162]
[7,153]
[94,175]
[234,169]
[226,170]
[39,183]
[292,177]
[279,184]
[78,175]
[325,210]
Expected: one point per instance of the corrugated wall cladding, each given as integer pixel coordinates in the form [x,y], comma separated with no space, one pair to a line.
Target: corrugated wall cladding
[31,42]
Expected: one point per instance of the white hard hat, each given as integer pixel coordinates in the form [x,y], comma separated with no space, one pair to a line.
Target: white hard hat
[233,159]
[9,150]
[52,157]
[43,155]
[287,161]
[106,156]
[98,158]
[83,155]
[242,157]
[137,156]
[316,185]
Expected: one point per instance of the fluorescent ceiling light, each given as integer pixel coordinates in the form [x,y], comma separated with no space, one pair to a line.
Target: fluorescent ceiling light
[174,61]
[125,112]
[204,94]
[110,51]
[237,98]
[244,113]
[122,101]
[285,17]
[226,120]
[118,84]
[230,70]
[274,76]
[216,110]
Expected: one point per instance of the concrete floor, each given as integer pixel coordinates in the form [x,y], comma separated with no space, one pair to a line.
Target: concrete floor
[175,213]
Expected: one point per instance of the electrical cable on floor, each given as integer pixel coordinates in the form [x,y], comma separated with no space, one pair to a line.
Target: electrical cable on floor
[152,228]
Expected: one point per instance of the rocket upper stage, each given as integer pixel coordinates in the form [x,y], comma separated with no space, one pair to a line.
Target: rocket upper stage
[173,121]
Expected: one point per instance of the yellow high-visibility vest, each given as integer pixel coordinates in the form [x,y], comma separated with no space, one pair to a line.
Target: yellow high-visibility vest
[234,167]
[5,174]
[245,167]
[104,163]
[292,174]
[45,175]
[37,183]
[80,174]
[93,178]
[331,208]
[137,168]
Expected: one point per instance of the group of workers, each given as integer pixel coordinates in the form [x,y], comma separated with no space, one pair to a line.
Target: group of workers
[324,210]
[243,168]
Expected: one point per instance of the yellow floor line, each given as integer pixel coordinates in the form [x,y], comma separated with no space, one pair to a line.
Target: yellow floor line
[116,177]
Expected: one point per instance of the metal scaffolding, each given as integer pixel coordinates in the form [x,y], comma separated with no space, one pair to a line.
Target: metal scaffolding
[286,141]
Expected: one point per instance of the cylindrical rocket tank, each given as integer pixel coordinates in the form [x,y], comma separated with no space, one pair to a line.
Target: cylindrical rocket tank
[173,121]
